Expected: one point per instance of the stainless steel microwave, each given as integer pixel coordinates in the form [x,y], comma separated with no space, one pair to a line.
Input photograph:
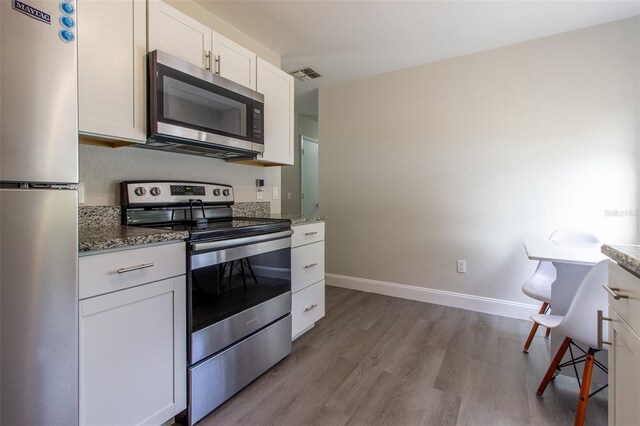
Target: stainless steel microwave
[193,111]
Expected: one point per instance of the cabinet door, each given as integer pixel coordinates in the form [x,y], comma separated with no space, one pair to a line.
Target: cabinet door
[133,355]
[277,87]
[624,373]
[233,61]
[178,34]
[111,69]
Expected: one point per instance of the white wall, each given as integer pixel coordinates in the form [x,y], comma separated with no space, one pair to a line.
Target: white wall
[463,158]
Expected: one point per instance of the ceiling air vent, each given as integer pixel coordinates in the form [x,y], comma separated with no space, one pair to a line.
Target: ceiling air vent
[305,74]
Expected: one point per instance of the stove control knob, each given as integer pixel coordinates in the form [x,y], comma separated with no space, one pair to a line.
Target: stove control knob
[226,192]
[155,191]
[140,191]
[216,192]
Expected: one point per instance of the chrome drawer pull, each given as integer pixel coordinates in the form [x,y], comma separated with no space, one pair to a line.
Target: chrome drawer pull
[311,307]
[612,292]
[308,234]
[600,319]
[218,67]
[310,266]
[207,60]
[135,268]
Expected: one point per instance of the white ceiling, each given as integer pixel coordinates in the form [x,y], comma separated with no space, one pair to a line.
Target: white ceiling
[344,40]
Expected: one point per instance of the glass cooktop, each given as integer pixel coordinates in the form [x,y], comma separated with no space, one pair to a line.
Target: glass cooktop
[219,229]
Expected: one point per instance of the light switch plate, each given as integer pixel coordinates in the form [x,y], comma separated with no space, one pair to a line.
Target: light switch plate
[275,193]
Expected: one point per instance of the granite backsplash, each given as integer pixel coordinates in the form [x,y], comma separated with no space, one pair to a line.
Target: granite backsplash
[98,216]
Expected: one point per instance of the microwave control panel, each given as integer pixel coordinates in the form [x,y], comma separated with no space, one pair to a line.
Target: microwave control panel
[258,124]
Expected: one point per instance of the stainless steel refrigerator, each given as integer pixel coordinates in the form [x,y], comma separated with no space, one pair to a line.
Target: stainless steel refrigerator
[38,213]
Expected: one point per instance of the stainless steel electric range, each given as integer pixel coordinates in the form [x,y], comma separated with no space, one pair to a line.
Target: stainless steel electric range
[238,285]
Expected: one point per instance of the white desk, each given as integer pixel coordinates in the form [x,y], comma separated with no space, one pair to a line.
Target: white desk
[572,262]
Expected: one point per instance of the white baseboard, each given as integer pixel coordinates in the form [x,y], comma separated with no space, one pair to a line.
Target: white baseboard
[487,305]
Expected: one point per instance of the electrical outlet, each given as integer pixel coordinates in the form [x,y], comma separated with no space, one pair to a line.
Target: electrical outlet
[462,266]
[258,194]
[275,193]
[288,195]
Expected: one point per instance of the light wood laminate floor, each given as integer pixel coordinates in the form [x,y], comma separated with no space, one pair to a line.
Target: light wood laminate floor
[378,360]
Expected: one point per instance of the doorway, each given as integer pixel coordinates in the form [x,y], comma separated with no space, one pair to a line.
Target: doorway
[309,175]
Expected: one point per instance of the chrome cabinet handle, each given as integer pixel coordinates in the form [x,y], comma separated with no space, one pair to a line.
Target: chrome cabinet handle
[308,234]
[601,318]
[310,265]
[207,62]
[218,64]
[135,268]
[612,292]
[311,307]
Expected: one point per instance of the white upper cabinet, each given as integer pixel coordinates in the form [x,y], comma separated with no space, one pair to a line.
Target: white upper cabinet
[180,35]
[277,87]
[233,61]
[112,44]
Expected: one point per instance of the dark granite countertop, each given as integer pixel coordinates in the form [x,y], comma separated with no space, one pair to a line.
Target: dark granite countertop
[627,257]
[295,219]
[94,238]
[100,229]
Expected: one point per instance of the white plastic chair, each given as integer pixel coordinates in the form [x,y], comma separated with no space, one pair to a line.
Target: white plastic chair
[539,285]
[579,324]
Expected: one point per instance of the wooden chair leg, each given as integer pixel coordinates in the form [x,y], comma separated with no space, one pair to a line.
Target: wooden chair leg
[583,400]
[548,333]
[553,366]
[534,328]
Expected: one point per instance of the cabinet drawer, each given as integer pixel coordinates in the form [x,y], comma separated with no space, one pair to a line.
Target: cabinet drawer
[104,273]
[307,234]
[307,265]
[629,285]
[307,307]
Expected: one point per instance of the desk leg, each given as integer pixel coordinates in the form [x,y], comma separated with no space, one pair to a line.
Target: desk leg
[565,286]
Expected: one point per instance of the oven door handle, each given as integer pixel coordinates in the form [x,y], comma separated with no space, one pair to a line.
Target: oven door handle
[233,242]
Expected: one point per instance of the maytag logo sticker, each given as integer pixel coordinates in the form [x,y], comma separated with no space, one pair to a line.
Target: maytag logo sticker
[32,12]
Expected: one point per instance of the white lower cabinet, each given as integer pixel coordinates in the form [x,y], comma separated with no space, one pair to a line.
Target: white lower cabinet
[307,277]
[133,345]
[624,352]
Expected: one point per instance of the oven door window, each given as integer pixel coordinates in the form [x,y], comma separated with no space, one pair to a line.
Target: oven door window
[234,284]
[187,101]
